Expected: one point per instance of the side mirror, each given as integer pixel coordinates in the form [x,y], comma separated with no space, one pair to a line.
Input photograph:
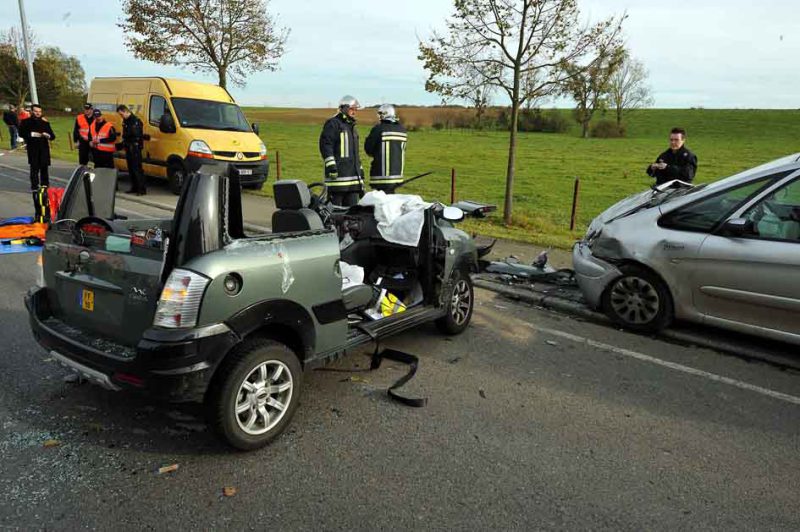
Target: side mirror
[166,124]
[255,129]
[738,227]
[452,214]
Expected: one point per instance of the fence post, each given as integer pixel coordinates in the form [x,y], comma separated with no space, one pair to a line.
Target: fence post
[452,185]
[69,138]
[278,164]
[575,193]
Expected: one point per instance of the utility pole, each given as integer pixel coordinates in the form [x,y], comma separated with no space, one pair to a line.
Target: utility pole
[28,56]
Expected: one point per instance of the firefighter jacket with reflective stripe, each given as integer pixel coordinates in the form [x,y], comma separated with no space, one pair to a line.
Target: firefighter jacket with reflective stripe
[81,129]
[338,146]
[386,144]
[105,137]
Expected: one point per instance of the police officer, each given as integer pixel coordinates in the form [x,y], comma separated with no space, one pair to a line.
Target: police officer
[133,141]
[339,147]
[675,163]
[37,133]
[386,144]
[102,140]
[80,133]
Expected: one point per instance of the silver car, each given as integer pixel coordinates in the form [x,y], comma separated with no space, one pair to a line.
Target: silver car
[725,254]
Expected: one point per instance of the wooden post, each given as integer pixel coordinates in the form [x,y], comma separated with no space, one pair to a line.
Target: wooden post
[69,138]
[278,164]
[575,193]
[452,185]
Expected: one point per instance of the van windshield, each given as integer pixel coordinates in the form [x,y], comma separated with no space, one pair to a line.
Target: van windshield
[205,114]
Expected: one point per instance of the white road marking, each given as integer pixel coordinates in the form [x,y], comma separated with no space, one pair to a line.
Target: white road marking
[671,365]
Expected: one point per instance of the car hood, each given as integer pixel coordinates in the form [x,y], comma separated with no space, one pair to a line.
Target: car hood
[636,202]
[233,141]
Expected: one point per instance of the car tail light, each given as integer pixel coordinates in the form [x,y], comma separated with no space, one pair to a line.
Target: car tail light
[198,148]
[180,300]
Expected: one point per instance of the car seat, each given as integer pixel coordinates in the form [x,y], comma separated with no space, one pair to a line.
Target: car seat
[292,198]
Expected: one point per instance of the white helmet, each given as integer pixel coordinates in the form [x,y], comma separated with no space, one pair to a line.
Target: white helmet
[348,102]
[387,112]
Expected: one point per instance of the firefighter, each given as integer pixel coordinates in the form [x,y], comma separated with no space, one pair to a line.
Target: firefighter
[339,147]
[37,133]
[102,140]
[386,144]
[133,141]
[80,133]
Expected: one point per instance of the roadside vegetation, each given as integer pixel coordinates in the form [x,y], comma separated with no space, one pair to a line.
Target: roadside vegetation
[726,141]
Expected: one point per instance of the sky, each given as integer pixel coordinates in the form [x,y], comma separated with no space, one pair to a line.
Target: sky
[703,53]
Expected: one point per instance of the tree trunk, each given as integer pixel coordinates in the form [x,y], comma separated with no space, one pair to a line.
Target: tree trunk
[585,129]
[512,156]
[223,77]
[619,116]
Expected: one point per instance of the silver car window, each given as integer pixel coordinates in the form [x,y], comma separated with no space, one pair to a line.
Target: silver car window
[777,216]
[704,215]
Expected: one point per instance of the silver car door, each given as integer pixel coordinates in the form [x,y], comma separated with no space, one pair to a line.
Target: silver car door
[751,282]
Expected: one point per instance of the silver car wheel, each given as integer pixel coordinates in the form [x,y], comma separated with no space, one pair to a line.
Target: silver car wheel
[263,397]
[460,304]
[635,300]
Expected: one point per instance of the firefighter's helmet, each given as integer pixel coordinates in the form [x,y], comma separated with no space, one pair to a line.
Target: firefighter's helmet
[348,102]
[387,112]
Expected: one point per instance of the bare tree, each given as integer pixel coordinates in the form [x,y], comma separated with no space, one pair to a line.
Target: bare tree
[505,41]
[231,38]
[628,89]
[589,87]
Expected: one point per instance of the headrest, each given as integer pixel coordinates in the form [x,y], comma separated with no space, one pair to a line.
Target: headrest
[291,194]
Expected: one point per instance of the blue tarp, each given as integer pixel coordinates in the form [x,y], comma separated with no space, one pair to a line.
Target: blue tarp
[19,220]
[18,248]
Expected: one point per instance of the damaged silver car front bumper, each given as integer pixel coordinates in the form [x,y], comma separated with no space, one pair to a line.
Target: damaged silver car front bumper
[593,274]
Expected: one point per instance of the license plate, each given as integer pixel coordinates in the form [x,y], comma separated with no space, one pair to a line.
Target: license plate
[87,300]
[245,171]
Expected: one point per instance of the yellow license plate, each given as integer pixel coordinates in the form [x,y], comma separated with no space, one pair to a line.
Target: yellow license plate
[87,300]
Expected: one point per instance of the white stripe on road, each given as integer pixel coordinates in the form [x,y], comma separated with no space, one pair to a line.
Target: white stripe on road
[671,365]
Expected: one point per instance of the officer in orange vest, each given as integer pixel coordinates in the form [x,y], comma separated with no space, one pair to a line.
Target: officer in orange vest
[103,137]
[80,133]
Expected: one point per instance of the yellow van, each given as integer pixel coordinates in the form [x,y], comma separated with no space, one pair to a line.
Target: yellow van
[188,123]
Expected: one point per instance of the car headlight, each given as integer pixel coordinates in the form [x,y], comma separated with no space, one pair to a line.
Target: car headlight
[263,151]
[199,148]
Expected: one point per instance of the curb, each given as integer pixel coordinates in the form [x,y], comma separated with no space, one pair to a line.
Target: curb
[142,201]
[685,337]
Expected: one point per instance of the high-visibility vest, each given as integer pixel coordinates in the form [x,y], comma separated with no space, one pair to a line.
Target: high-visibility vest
[83,126]
[100,136]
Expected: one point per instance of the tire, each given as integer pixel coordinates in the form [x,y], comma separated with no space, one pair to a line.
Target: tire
[261,420]
[176,174]
[638,300]
[460,301]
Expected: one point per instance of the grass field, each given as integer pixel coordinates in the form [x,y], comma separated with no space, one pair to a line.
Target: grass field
[726,141]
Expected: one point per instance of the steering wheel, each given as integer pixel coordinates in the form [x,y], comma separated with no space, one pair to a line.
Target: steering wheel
[321,198]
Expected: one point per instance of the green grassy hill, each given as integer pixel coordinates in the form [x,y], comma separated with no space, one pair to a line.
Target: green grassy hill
[726,141]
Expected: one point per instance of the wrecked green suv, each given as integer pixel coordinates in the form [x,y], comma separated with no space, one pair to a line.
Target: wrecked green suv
[191,308]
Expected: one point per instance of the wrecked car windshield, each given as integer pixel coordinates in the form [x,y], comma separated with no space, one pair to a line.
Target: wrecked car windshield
[205,114]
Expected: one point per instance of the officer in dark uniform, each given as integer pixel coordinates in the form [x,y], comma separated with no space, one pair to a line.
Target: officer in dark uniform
[37,133]
[386,144]
[133,142]
[80,133]
[675,163]
[339,147]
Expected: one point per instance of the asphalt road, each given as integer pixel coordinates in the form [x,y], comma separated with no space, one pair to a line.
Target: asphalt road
[534,421]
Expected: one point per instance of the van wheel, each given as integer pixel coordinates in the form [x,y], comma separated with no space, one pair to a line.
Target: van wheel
[460,300]
[176,173]
[254,394]
[638,300]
